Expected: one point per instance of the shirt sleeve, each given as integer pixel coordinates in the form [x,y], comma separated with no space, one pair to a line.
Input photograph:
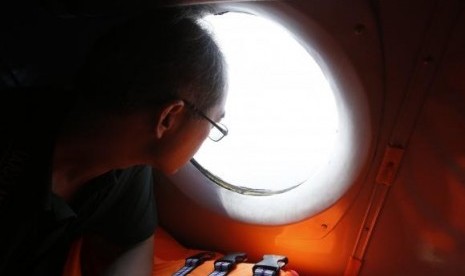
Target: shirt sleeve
[127,215]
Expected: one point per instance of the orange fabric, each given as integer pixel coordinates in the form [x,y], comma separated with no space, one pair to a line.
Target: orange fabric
[73,263]
[169,257]
[242,269]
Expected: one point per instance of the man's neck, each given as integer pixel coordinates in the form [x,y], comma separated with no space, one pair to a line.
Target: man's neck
[103,146]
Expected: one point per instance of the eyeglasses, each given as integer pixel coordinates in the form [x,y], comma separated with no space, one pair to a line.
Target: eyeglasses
[218,130]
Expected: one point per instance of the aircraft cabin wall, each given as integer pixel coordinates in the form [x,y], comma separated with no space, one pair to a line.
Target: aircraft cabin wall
[402,213]
[397,69]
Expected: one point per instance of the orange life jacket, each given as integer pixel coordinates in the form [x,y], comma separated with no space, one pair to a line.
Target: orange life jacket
[169,257]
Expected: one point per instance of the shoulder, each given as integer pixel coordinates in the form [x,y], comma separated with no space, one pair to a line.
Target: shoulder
[126,214]
[135,173]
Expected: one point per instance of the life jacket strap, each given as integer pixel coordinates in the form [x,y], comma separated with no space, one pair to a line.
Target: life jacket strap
[194,261]
[227,263]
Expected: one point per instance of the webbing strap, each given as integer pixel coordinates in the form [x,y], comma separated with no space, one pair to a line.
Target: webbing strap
[222,268]
[224,265]
[264,272]
[193,262]
[270,265]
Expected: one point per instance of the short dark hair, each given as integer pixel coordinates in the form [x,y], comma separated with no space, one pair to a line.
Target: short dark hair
[157,56]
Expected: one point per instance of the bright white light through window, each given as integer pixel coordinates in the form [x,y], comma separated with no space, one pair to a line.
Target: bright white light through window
[281,112]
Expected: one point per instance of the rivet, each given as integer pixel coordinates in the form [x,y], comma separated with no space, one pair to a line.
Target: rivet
[359,29]
[324,226]
[428,60]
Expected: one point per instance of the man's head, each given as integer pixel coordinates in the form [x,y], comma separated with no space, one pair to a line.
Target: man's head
[156,63]
[155,57]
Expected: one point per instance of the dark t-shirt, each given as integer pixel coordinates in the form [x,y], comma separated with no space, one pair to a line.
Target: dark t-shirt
[36,226]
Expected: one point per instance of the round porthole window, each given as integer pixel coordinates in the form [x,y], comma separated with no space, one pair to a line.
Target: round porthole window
[298,122]
[281,112]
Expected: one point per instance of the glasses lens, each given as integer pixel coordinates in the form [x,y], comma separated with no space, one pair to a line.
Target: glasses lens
[215,134]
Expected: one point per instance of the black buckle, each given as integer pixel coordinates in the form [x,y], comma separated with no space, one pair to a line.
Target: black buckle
[199,259]
[228,262]
[270,263]
[194,261]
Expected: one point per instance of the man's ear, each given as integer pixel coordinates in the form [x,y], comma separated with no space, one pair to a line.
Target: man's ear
[168,117]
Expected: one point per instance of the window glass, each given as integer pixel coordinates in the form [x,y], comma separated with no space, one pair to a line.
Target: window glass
[281,112]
